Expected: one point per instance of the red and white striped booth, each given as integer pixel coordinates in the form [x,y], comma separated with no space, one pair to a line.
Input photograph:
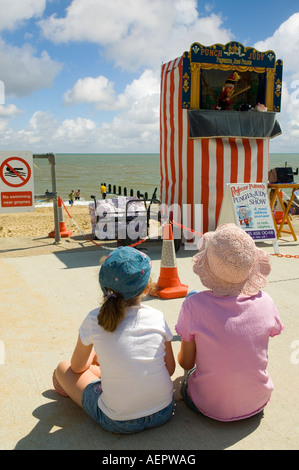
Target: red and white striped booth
[195,171]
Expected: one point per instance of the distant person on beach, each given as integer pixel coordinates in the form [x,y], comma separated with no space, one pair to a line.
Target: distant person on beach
[71,198]
[103,191]
[225,330]
[77,195]
[131,389]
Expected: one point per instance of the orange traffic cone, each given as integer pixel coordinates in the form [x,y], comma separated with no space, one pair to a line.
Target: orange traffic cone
[169,285]
[279,213]
[62,228]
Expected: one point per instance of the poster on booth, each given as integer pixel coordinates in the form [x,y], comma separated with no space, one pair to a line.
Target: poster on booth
[16,182]
[247,205]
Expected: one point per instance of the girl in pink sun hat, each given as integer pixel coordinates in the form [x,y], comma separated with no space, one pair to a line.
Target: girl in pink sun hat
[225,330]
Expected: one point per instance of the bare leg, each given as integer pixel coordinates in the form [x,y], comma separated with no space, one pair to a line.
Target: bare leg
[73,383]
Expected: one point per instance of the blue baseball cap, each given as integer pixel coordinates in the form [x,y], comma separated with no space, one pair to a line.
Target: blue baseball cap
[126,271]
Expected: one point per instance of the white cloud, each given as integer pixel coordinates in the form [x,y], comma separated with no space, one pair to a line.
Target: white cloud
[285,43]
[44,133]
[142,34]
[134,130]
[22,72]
[138,36]
[100,91]
[76,133]
[91,90]
[9,111]
[13,12]
[289,121]
[148,84]
[137,125]
[39,129]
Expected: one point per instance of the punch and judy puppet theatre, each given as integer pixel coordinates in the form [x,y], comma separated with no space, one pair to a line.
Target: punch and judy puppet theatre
[217,115]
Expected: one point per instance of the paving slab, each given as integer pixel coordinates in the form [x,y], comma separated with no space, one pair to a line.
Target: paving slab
[47,290]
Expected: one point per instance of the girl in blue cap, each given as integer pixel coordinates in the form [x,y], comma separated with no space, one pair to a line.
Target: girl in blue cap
[131,390]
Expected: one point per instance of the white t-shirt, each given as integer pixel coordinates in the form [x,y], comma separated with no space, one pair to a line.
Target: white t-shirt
[135,381]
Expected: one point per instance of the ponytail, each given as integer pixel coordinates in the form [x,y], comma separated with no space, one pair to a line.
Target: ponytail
[113,309]
[111,312]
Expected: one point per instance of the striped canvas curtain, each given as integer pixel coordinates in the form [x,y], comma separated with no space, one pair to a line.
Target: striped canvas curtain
[195,172]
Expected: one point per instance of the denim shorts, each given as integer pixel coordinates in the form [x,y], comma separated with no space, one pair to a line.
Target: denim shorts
[89,403]
[185,394]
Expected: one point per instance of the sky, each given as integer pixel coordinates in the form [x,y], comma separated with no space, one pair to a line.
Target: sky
[83,76]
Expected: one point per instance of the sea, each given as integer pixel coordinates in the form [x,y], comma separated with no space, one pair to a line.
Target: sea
[86,172]
[133,172]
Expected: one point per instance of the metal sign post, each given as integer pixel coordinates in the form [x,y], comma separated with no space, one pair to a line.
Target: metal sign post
[53,195]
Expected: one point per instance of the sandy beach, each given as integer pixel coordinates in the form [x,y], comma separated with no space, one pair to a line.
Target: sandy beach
[40,222]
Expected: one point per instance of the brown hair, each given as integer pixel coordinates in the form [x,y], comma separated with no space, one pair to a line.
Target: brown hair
[114,307]
[113,310]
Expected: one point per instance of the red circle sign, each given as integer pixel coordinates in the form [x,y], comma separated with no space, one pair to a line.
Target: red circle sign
[9,170]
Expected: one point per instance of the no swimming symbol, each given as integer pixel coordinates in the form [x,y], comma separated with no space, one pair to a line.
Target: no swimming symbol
[15,172]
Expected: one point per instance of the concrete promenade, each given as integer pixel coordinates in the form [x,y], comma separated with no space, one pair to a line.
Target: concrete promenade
[47,290]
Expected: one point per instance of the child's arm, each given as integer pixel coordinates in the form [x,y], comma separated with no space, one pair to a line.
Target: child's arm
[83,357]
[186,356]
[169,358]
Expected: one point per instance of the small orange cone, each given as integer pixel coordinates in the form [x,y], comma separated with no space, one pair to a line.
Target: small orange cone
[64,233]
[279,213]
[169,285]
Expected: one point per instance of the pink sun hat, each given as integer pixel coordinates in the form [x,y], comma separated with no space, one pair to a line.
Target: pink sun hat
[229,263]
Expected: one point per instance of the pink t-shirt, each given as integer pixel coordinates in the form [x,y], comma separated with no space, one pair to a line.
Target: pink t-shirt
[231,336]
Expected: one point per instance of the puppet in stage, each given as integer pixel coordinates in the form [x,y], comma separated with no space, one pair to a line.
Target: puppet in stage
[225,100]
